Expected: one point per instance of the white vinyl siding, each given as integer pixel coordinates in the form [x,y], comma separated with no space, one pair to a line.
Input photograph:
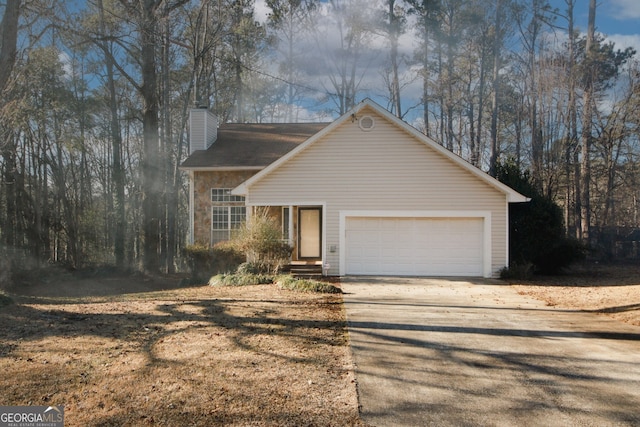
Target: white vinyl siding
[382,169]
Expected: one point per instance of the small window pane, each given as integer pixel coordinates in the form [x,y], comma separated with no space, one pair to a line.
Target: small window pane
[220,218]
[238,214]
[223,195]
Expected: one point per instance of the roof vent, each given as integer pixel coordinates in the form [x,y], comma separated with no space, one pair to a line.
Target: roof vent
[366,123]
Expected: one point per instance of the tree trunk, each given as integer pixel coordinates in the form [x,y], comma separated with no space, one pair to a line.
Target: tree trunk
[151,172]
[493,157]
[572,191]
[169,228]
[9,183]
[9,27]
[117,170]
[585,169]
[394,34]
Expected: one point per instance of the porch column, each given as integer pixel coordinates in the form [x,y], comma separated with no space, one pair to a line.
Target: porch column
[290,219]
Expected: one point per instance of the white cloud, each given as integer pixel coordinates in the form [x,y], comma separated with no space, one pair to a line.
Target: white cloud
[67,64]
[628,9]
[261,11]
[623,41]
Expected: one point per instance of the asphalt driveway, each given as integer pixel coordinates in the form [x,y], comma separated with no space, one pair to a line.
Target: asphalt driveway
[466,353]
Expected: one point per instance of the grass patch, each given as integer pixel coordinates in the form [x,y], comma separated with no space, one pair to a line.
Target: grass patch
[245,279]
[286,282]
[306,285]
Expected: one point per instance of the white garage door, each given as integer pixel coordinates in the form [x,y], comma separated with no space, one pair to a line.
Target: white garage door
[414,246]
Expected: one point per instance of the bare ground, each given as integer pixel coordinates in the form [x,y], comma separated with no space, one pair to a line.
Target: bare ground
[122,350]
[116,352]
[608,290]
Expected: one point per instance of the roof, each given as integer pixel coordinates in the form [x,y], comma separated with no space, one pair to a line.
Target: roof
[512,195]
[251,145]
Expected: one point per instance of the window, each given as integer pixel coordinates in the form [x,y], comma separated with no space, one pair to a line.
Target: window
[223,195]
[227,213]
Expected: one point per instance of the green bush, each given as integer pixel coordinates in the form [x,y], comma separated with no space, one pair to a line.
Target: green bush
[240,280]
[287,282]
[305,285]
[249,268]
[536,229]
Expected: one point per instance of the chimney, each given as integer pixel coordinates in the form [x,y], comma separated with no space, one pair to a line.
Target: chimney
[203,129]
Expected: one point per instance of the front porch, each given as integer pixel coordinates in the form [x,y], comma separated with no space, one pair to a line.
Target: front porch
[302,228]
[305,269]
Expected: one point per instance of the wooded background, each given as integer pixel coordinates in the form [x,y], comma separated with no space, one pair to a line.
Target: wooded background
[95,98]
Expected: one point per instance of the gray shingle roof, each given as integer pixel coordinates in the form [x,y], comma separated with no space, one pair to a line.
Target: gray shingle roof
[252,145]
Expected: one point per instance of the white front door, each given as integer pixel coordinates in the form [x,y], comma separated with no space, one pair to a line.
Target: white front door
[309,236]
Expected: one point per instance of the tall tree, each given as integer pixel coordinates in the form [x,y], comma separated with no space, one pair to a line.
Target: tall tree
[8,49]
[348,59]
[9,31]
[291,20]
[571,151]
[117,171]
[498,41]
[393,27]
[146,16]
[427,12]
[585,136]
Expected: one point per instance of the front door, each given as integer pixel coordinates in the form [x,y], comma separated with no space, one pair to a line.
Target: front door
[309,237]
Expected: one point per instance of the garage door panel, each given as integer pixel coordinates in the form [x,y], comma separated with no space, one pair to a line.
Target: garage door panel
[414,246]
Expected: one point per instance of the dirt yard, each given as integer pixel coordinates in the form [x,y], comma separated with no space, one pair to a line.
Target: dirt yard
[134,351]
[608,290]
[121,350]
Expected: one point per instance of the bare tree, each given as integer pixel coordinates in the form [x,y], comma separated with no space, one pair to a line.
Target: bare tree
[427,12]
[9,31]
[585,138]
[393,27]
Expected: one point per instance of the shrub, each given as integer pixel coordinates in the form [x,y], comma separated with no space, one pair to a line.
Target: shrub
[205,261]
[305,285]
[249,268]
[536,229]
[517,271]
[240,280]
[260,239]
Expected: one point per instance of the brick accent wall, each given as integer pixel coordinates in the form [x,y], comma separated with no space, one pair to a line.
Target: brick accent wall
[203,183]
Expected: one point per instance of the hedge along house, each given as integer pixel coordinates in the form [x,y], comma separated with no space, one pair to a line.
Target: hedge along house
[364,195]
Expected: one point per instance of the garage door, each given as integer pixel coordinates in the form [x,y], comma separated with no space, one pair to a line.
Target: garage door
[414,246]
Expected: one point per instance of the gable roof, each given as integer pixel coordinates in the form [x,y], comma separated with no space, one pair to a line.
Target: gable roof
[251,146]
[512,195]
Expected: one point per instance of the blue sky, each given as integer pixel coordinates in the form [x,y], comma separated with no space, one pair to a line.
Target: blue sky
[618,19]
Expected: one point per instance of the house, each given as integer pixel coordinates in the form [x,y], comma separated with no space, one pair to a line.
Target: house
[364,195]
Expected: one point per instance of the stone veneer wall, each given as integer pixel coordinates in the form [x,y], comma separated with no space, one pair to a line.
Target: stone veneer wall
[203,183]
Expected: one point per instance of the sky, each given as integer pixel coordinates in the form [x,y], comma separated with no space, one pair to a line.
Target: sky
[618,20]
